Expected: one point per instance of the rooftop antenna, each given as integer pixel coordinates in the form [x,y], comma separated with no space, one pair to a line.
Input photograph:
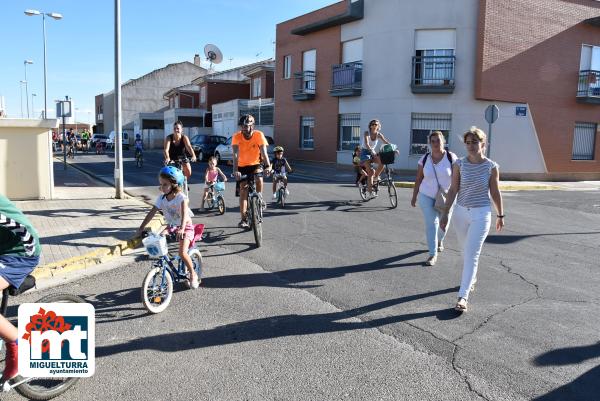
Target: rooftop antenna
[213,55]
[230,60]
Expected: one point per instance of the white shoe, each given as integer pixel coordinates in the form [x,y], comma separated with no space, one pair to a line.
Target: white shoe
[195,283]
[287,193]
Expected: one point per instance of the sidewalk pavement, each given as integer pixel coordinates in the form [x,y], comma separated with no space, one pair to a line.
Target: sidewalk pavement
[84,225]
[331,172]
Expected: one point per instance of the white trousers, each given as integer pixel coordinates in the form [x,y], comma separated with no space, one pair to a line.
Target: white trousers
[472,226]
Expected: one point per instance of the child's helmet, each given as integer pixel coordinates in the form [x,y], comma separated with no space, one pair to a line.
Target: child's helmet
[137,136]
[278,149]
[174,173]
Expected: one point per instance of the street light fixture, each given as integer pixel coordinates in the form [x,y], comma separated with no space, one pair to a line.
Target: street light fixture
[32,108]
[56,16]
[21,86]
[26,89]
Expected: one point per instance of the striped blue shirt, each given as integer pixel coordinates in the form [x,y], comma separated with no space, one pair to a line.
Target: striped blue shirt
[474,188]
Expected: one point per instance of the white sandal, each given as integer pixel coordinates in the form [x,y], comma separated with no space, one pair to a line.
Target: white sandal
[461,305]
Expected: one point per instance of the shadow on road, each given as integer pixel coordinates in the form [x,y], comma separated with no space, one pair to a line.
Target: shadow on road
[586,387]
[276,327]
[290,278]
[510,239]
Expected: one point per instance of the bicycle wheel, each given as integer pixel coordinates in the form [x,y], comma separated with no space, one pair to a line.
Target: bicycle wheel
[392,193]
[256,224]
[197,262]
[156,292]
[45,388]
[281,196]
[362,189]
[221,204]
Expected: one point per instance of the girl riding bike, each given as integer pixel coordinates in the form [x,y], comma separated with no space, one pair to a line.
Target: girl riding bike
[175,207]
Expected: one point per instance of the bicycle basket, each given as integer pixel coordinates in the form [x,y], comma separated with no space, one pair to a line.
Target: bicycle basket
[387,157]
[156,245]
[219,186]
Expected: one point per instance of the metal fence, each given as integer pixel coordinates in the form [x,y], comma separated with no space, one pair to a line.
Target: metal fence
[589,84]
[422,124]
[305,82]
[346,76]
[584,141]
[349,131]
[433,70]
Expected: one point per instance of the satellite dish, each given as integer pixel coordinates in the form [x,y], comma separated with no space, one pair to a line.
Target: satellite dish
[213,54]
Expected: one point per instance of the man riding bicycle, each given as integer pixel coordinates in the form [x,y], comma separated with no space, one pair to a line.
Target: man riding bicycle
[249,153]
[85,136]
[19,255]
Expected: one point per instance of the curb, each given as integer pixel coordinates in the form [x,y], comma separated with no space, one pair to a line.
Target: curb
[408,184]
[90,259]
[98,256]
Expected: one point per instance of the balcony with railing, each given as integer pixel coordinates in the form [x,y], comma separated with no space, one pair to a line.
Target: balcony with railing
[588,89]
[433,74]
[346,79]
[305,85]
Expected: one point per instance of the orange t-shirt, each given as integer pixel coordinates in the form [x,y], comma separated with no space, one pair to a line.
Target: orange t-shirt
[249,149]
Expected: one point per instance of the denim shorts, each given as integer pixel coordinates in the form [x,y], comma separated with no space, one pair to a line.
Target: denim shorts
[365,155]
[14,269]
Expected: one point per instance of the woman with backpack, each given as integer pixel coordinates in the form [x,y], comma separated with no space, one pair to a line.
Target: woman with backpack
[434,175]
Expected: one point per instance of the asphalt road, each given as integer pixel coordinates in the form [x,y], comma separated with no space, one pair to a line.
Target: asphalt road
[337,304]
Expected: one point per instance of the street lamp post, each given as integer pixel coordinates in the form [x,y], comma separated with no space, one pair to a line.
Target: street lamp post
[56,16]
[32,108]
[26,89]
[75,118]
[21,86]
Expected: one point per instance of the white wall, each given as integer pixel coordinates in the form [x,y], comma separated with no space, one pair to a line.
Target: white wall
[388,32]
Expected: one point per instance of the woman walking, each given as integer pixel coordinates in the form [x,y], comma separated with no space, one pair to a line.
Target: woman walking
[474,179]
[434,173]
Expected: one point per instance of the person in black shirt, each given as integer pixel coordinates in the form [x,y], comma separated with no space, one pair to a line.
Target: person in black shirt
[280,169]
[177,146]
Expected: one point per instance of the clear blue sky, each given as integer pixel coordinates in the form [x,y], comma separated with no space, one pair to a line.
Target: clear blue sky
[80,47]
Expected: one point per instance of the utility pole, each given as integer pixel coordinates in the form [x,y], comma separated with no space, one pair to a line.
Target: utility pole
[119,193]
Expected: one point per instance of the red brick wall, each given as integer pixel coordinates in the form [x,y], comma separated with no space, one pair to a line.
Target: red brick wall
[267,84]
[529,51]
[219,92]
[324,108]
[185,100]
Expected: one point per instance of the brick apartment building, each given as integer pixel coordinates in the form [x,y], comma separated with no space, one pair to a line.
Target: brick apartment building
[435,64]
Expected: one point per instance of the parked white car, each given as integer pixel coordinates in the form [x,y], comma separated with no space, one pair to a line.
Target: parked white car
[110,142]
[224,152]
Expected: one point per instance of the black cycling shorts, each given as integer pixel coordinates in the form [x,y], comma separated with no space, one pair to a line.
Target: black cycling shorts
[245,170]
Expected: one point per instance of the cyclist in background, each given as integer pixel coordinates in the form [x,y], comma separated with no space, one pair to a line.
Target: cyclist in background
[368,154]
[138,145]
[85,137]
[19,254]
[249,152]
[280,169]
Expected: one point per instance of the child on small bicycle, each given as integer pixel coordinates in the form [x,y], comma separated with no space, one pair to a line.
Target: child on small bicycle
[210,177]
[175,207]
[280,169]
[19,254]
[138,144]
[361,174]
